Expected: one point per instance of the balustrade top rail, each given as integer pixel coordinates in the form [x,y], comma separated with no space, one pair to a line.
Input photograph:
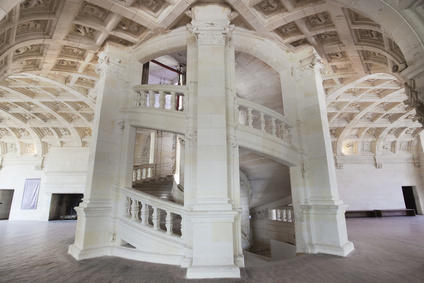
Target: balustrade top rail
[162,97]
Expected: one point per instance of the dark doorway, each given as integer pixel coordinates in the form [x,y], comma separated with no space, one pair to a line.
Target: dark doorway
[62,206]
[6,197]
[409,198]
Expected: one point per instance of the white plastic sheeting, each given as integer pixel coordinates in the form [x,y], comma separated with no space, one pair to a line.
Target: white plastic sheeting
[30,197]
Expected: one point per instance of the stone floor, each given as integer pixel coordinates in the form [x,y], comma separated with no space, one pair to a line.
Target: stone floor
[387,250]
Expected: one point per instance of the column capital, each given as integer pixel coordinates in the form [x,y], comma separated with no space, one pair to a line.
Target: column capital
[211,24]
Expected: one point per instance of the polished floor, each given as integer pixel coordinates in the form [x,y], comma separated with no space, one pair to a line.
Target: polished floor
[387,250]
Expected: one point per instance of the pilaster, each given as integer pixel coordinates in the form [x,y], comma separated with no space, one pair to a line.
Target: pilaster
[94,233]
[213,217]
[320,220]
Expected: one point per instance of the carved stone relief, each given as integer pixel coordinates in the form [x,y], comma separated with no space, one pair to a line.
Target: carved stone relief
[72,52]
[288,30]
[130,27]
[153,6]
[84,31]
[66,65]
[369,36]
[28,51]
[92,11]
[329,37]
[270,7]
[319,21]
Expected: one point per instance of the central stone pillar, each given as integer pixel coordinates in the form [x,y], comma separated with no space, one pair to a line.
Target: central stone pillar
[212,215]
[320,214]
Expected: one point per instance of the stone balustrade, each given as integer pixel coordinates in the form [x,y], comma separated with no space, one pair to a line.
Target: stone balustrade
[285,214]
[159,97]
[258,117]
[152,213]
[281,214]
[143,172]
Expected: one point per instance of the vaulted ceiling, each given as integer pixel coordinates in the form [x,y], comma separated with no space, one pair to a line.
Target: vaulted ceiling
[48,52]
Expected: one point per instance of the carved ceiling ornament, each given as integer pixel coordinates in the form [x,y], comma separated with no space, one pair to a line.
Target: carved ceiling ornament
[339,56]
[289,30]
[359,19]
[125,29]
[329,37]
[66,65]
[369,36]
[91,11]
[73,52]
[84,31]
[28,4]
[319,21]
[270,7]
[153,6]
[130,27]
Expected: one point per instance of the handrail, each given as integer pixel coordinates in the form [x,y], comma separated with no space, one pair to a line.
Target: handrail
[261,108]
[147,211]
[159,97]
[262,119]
[150,199]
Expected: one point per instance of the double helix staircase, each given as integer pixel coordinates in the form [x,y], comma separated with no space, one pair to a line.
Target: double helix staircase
[152,219]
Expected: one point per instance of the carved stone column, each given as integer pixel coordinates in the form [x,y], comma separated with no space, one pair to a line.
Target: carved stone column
[212,216]
[320,220]
[95,227]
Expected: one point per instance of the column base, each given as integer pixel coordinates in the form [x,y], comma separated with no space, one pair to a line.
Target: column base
[343,250]
[80,254]
[214,271]
[323,229]
[94,235]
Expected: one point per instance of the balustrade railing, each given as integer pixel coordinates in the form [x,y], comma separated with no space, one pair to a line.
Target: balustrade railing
[153,213]
[283,214]
[143,172]
[162,97]
[261,118]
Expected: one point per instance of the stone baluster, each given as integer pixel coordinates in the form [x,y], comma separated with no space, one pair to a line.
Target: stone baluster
[152,98]
[289,215]
[162,100]
[144,213]
[155,218]
[173,101]
[138,174]
[168,222]
[140,99]
[134,175]
[127,205]
[134,210]
[284,215]
[249,117]
[143,173]
[273,126]
[262,116]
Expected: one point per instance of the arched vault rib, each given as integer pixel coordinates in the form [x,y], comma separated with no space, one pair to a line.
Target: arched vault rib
[74,112]
[356,119]
[20,124]
[385,132]
[83,98]
[74,133]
